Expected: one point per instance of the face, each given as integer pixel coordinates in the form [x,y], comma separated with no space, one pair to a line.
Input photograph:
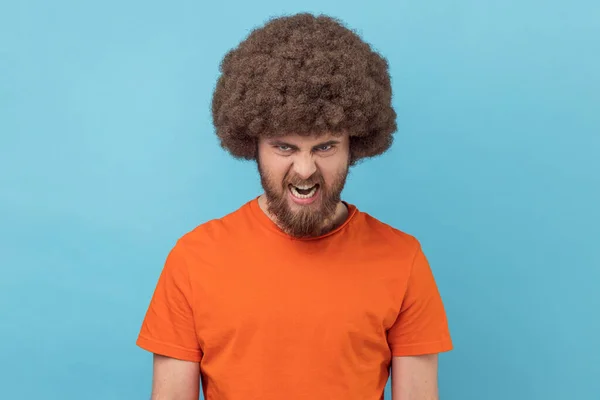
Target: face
[303,178]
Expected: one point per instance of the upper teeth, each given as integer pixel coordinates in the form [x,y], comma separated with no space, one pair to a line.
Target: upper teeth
[304,187]
[313,190]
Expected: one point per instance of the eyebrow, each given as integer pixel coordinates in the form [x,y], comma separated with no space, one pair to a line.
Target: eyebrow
[328,143]
[277,142]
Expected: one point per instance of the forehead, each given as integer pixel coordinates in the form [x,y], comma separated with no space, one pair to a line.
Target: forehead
[308,140]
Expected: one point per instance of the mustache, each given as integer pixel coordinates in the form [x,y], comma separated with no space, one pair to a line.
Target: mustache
[295,180]
[304,182]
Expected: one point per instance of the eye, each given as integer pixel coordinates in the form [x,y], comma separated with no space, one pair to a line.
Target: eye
[283,147]
[324,147]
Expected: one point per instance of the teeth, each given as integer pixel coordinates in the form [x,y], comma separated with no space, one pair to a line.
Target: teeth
[304,196]
[305,187]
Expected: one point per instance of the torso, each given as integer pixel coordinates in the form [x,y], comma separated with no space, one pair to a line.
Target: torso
[296,319]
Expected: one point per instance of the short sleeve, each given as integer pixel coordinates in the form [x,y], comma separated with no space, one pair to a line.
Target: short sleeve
[421,326]
[168,327]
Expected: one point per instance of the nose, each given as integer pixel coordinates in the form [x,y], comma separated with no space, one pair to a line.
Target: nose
[304,166]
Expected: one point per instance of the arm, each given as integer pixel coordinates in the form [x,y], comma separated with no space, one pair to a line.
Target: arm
[415,378]
[169,332]
[418,335]
[175,379]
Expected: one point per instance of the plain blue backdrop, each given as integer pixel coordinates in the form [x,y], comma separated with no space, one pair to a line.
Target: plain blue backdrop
[108,155]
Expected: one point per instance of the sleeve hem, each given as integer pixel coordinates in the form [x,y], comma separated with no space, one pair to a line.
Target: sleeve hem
[168,350]
[422,348]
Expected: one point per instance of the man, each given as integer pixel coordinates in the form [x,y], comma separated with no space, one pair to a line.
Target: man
[298,294]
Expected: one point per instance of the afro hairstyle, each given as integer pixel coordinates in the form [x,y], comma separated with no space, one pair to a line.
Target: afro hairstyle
[303,74]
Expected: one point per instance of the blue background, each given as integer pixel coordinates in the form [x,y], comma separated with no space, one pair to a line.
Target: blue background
[107,155]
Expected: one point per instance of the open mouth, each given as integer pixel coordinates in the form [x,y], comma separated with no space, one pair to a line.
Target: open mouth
[304,192]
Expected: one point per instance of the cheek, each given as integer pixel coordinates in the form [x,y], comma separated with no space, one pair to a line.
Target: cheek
[275,171]
[333,169]
[277,179]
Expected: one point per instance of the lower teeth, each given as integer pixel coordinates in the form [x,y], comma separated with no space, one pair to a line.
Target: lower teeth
[299,195]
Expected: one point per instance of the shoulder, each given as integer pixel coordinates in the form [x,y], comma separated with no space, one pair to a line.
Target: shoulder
[374,230]
[216,232]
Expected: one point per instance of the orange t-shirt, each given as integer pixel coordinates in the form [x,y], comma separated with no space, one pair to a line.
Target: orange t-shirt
[272,317]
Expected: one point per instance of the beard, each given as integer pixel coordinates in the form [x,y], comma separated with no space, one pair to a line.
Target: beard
[303,221]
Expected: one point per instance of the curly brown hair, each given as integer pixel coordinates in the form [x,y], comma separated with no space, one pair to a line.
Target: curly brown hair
[304,74]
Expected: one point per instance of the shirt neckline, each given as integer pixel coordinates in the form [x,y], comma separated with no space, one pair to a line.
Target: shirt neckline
[266,222]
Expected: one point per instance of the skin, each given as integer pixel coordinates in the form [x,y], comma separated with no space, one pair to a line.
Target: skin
[295,158]
[175,379]
[415,378]
[299,158]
